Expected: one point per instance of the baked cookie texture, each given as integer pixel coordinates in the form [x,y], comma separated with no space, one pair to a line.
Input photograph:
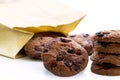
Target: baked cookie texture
[107,47]
[85,40]
[64,57]
[108,36]
[106,56]
[35,47]
[61,55]
[105,69]
[101,58]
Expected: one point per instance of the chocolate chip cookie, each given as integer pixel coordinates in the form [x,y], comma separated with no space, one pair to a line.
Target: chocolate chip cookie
[36,46]
[101,58]
[64,57]
[85,40]
[105,69]
[107,47]
[108,36]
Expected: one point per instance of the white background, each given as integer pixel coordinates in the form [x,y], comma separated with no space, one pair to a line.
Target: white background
[101,15]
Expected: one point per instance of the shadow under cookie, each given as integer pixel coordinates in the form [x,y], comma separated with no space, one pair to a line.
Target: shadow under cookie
[105,70]
[100,58]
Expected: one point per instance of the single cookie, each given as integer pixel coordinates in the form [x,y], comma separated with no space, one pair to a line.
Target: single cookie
[36,46]
[101,58]
[65,57]
[107,47]
[108,36]
[105,69]
[85,40]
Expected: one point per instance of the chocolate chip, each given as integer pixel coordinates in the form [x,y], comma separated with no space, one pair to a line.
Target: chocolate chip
[60,57]
[78,52]
[108,65]
[78,63]
[83,59]
[76,68]
[37,48]
[35,58]
[72,36]
[42,45]
[85,35]
[99,34]
[70,50]
[104,44]
[45,50]
[68,63]
[65,40]
[53,65]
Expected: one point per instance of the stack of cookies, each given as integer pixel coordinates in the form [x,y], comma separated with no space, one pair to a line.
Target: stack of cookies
[106,56]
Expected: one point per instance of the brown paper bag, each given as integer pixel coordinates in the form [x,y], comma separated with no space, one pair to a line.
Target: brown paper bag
[36,16]
[12,41]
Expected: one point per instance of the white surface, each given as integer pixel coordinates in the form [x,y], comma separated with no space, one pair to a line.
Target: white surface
[101,15]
